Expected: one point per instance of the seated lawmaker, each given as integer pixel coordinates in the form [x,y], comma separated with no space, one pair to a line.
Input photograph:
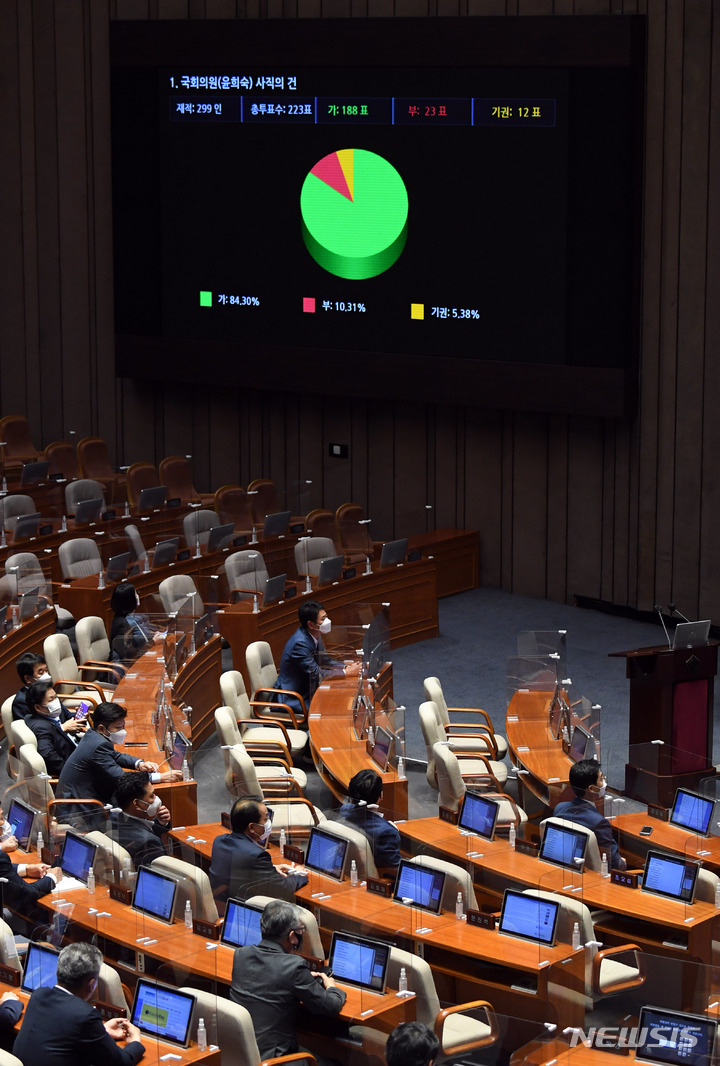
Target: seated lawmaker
[56,729]
[411,1044]
[364,794]
[240,866]
[142,823]
[18,895]
[588,783]
[61,1028]
[30,667]
[304,660]
[130,632]
[93,769]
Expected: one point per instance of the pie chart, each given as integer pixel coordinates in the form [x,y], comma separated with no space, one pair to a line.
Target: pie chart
[354,208]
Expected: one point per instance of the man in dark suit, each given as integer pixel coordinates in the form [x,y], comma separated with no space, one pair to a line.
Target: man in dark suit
[304,660]
[364,793]
[30,667]
[142,822]
[93,769]
[270,980]
[20,896]
[56,729]
[61,1029]
[588,783]
[241,867]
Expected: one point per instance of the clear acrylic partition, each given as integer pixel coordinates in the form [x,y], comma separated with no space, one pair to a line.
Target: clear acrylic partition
[28,589]
[360,631]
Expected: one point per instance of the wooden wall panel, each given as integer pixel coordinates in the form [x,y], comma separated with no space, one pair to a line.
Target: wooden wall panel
[624,511]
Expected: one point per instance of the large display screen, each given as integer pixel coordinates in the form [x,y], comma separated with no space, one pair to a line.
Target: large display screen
[325,206]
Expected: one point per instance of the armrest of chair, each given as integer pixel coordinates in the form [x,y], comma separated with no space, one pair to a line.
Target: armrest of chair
[297,1057]
[272,723]
[261,750]
[620,949]
[97,666]
[477,756]
[473,710]
[515,810]
[283,692]
[86,686]
[465,1008]
[469,729]
[282,785]
[263,710]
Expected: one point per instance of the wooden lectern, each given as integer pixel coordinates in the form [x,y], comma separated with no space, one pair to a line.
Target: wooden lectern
[671,700]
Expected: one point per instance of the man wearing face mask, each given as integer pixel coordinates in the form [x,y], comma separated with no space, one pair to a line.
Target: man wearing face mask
[56,729]
[270,980]
[62,1028]
[305,663]
[241,867]
[588,783]
[142,822]
[93,769]
[30,667]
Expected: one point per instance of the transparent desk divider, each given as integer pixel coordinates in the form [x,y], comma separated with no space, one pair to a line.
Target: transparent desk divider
[654,770]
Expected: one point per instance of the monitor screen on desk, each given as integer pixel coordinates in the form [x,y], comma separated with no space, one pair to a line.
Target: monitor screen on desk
[582,745]
[275,525]
[220,536]
[674,1038]
[180,752]
[393,553]
[666,875]
[331,569]
[164,553]
[479,815]
[20,818]
[691,811]
[381,748]
[88,511]
[163,1012]
[154,894]
[40,967]
[563,846]
[78,855]
[274,590]
[241,925]
[419,886]
[326,853]
[528,917]
[152,498]
[356,960]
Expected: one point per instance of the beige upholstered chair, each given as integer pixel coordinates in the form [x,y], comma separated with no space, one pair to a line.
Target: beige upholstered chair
[79,557]
[294,814]
[456,773]
[13,506]
[234,695]
[263,675]
[197,526]
[66,673]
[593,858]
[474,721]
[110,858]
[310,552]
[271,757]
[193,884]
[25,568]
[246,574]
[476,762]
[179,595]
[84,489]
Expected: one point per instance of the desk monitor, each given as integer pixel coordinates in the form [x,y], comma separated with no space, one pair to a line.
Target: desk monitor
[582,745]
[528,917]
[117,567]
[691,634]
[479,815]
[276,524]
[672,1038]
[241,925]
[420,886]
[274,590]
[393,553]
[357,960]
[164,552]
[154,894]
[326,853]
[162,1012]
[34,472]
[381,751]
[670,876]
[220,536]
[151,499]
[331,570]
[181,751]
[87,511]
[40,969]
[26,526]
[78,856]
[563,846]
[28,603]
[21,818]
[691,811]
[363,715]
[202,630]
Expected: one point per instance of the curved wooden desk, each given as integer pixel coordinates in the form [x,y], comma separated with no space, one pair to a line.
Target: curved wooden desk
[543,766]
[337,752]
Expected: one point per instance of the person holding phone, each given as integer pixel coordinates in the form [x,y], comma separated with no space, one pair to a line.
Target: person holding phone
[57,729]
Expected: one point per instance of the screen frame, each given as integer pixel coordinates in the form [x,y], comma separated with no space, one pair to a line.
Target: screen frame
[146,911]
[364,941]
[318,833]
[511,892]
[676,860]
[695,795]
[407,864]
[144,982]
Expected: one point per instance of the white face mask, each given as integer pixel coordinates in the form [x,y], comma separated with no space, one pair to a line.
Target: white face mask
[325,626]
[54,708]
[267,829]
[118,737]
[44,677]
[601,792]
[154,807]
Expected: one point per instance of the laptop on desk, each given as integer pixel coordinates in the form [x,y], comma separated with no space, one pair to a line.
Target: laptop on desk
[478,815]
[359,961]
[691,811]
[326,854]
[40,970]
[154,894]
[162,1012]
[670,876]
[76,860]
[241,925]
[528,917]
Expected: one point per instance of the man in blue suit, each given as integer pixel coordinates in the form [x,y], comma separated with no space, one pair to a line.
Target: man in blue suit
[588,783]
[304,661]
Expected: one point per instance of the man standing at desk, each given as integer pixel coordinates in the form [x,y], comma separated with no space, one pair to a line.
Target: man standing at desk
[304,661]
[270,979]
[588,783]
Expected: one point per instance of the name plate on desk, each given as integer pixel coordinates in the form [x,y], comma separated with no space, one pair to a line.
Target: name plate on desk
[120,893]
[109,1010]
[661,813]
[379,887]
[50,855]
[293,854]
[527,847]
[446,815]
[225,820]
[210,930]
[9,976]
[480,919]
[621,877]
